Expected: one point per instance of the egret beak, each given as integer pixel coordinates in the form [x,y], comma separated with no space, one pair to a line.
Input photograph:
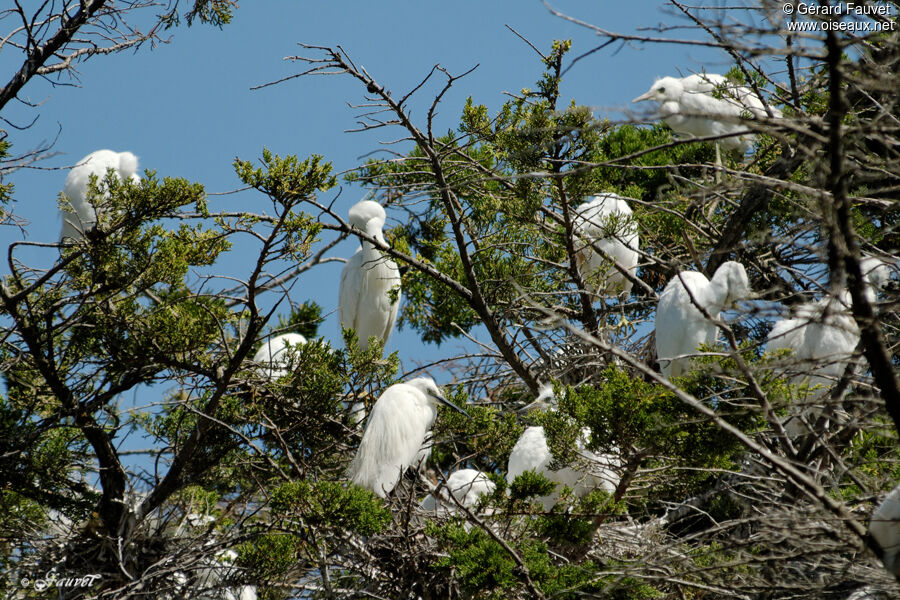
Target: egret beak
[643,97]
[446,402]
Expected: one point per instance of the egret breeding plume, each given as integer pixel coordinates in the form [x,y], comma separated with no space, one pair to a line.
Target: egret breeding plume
[395,432]
[98,163]
[688,106]
[885,528]
[532,453]
[275,354]
[605,222]
[370,282]
[681,325]
[823,335]
[466,485]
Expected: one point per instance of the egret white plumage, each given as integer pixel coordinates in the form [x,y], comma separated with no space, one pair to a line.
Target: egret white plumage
[532,453]
[885,528]
[688,106]
[605,221]
[681,326]
[466,485]
[98,163]
[370,282]
[823,334]
[275,354]
[395,432]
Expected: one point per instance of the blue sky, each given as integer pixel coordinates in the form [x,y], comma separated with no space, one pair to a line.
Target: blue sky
[186,108]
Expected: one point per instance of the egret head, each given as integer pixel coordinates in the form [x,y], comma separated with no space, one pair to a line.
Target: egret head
[368,216]
[544,401]
[734,277]
[663,89]
[432,392]
[128,165]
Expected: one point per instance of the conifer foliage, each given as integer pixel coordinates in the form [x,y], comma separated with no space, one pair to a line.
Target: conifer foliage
[743,477]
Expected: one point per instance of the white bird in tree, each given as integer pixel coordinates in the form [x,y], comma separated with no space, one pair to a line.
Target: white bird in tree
[97,164]
[395,432]
[532,453]
[275,354]
[466,485]
[681,325]
[823,335]
[885,528]
[370,282]
[605,222]
[688,106]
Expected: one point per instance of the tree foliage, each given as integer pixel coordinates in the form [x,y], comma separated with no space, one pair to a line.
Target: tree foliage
[717,497]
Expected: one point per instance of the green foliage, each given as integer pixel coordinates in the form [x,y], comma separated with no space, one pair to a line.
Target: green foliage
[331,504]
[486,570]
[530,484]
[483,567]
[304,319]
[626,412]
[6,188]
[487,434]
[265,453]
[270,555]
[287,179]
[217,13]
[367,366]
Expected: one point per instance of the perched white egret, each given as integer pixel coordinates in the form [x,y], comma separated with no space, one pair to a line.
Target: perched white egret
[688,106]
[466,485]
[531,453]
[823,334]
[395,432]
[605,221]
[885,528]
[125,166]
[370,282]
[681,326]
[275,354]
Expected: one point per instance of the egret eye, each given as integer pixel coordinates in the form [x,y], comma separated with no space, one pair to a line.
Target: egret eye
[661,90]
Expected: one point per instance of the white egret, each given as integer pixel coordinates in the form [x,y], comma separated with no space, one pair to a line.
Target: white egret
[395,432]
[885,528]
[532,453]
[370,282]
[823,334]
[275,354]
[466,485]
[125,166]
[605,221]
[681,326]
[688,106]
